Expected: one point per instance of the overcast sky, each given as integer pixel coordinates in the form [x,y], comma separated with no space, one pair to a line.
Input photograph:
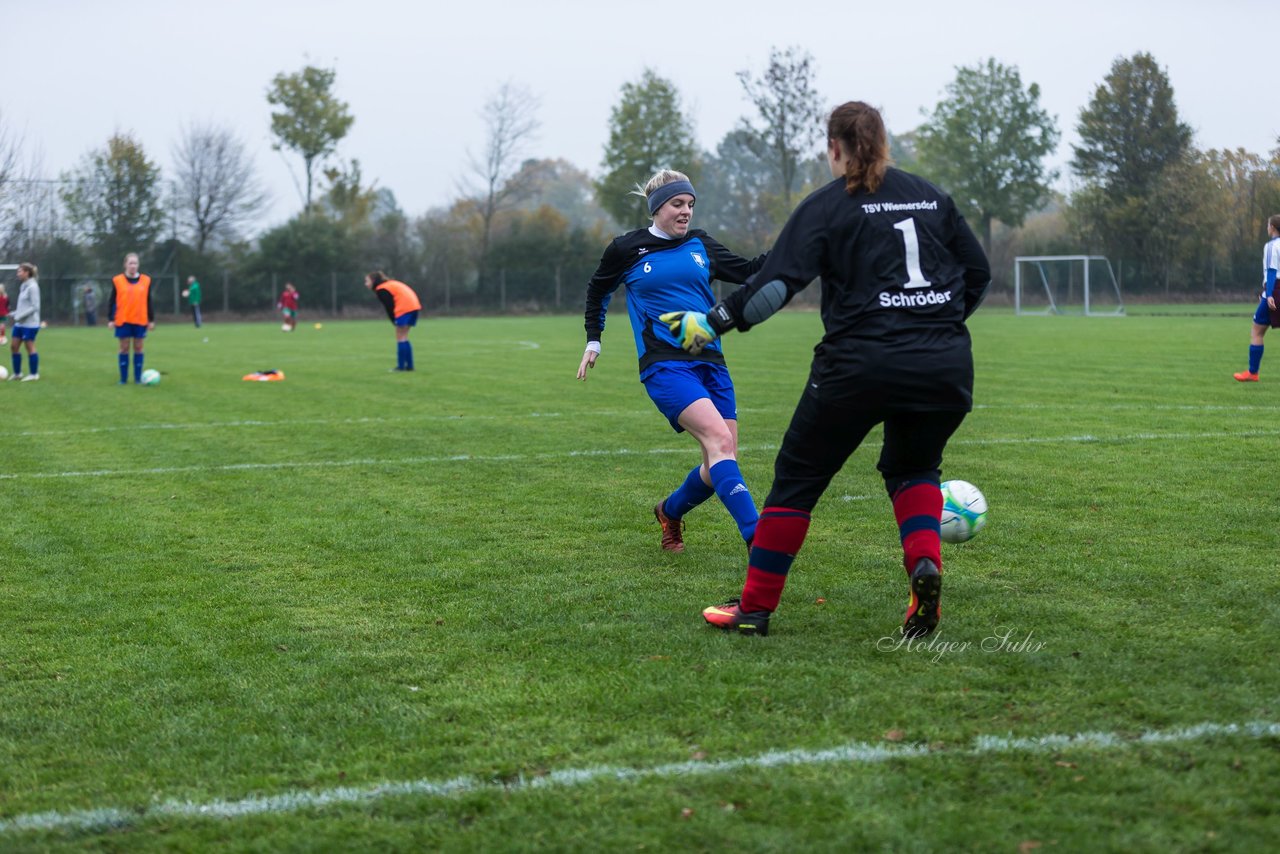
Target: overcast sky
[416,74]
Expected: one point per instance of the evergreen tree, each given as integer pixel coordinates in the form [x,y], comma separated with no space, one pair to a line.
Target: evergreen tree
[113,197]
[985,144]
[647,132]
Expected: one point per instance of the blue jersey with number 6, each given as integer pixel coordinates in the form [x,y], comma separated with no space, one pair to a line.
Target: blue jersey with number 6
[661,275]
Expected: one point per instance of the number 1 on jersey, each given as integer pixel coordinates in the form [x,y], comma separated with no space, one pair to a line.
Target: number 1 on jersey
[915,278]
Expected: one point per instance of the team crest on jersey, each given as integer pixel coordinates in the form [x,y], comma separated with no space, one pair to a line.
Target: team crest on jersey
[697,259]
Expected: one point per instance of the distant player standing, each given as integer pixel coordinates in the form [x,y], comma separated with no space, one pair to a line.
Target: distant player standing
[193,294]
[130,314]
[1265,316]
[669,265]
[402,306]
[26,324]
[288,305]
[4,315]
[901,271]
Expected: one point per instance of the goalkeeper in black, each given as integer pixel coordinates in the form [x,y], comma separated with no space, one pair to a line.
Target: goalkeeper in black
[901,271]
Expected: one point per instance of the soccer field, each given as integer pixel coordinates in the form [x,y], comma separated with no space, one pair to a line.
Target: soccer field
[376,611]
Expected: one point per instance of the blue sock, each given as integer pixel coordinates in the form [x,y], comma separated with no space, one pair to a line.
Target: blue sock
[124,367]
[688,495]
[1255,358]
[137,367]
[17,364]
[33,360]
[408,355]
[735,496]
[400,354]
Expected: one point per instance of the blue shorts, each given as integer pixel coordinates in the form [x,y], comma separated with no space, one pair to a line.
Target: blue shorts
[409,318]
[131,330]
[1262,316]
[25,333]
[672,386]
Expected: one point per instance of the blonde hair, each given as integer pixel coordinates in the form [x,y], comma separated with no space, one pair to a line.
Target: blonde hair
[132,255]
[661,178]
[29,268]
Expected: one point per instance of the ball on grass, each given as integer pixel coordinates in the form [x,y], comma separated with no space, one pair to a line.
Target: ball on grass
[964,511]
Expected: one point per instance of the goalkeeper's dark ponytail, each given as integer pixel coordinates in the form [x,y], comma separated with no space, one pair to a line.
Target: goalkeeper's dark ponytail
[862,136]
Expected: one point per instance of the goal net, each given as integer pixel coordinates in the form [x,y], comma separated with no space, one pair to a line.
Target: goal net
[1066,284]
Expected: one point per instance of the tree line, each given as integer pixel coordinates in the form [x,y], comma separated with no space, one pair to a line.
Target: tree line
[527,233]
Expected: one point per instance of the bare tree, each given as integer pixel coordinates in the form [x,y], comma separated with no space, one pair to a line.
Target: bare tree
[790,112]
[9,148]
[511,122]
[217,189]
[9,168]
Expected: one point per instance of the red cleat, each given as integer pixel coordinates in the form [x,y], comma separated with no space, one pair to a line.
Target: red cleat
[732,618]
[672,530]
[1246,377]
[925,608]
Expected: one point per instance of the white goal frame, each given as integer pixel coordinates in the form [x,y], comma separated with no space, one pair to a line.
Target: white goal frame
[1086,285]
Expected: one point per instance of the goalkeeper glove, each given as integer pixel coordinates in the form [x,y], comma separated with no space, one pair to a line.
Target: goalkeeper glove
[691,327]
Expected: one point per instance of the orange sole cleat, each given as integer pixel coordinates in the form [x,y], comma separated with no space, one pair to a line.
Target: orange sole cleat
[732,618]
[925,609]
[672,530]
[1246,377]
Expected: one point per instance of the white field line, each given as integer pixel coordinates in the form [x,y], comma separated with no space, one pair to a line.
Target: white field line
[602,413]
[857,753]
[603,452]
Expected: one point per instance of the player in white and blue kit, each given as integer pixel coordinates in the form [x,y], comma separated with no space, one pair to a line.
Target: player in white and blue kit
[664,266]
[1266,315]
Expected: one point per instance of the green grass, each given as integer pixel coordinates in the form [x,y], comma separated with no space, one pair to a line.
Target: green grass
[214,590]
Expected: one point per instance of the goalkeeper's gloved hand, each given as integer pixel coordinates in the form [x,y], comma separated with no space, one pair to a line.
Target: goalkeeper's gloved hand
[691,327]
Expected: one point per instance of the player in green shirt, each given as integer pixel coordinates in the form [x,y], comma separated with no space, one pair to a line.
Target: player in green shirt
[192,293]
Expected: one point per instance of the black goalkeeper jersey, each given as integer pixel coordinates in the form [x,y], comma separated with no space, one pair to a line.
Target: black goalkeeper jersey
[900,271]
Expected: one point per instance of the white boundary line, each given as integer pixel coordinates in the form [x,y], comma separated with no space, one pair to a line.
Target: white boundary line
[606,452]
[856,753]
[611,413]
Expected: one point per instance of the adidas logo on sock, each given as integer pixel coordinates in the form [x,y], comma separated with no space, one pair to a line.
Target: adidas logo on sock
[742,487]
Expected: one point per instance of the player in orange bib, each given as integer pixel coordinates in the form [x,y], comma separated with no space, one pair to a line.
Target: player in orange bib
[130,315]
[402,306]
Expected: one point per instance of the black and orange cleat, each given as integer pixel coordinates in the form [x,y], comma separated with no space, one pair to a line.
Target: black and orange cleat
[732,618]
[925,608]
[672,530]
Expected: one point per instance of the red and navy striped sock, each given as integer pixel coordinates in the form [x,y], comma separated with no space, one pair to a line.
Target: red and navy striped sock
[917,505]
[779,535]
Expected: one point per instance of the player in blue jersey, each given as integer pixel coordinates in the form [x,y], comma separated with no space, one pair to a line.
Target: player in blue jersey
[1266,315]
[901,271]
[665,267]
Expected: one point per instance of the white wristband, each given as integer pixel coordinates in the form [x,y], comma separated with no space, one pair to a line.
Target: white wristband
[593,347]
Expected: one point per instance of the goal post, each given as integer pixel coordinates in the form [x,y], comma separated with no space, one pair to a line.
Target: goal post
[1066,284]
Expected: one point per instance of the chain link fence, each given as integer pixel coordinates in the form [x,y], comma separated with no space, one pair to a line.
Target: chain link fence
[230,297]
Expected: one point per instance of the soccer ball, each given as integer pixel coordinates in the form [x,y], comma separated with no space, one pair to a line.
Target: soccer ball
[4,373]
[964,511]
[151,377]
[284,327]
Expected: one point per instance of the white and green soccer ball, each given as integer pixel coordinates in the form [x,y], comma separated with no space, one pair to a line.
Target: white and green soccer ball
[964,511]
[151,377]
